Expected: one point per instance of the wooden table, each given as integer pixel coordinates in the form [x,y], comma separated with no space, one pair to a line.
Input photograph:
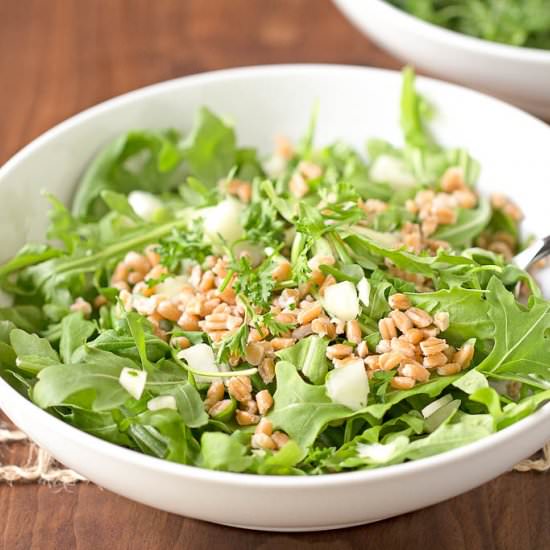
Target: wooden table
[60,56]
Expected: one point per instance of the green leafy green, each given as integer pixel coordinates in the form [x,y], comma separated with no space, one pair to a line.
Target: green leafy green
[309,356]
[521,343]
[210,149]
[302,410]
[75,331]
[514,22]
[145,160]
[220,451]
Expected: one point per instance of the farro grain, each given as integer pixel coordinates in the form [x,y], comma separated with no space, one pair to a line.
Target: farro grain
[383,346]
[244,418]
[402,383]
[387,328]
[453,179]
[399,301]
[433,345]
[254,353]
[435,360]
[220,407]
[302,332]
[403,347]
[266,370]
[372,362]
[414,335]
[282,271]
[264,401]
[280,439]
[306,316]
[401,321]
[168,310]
[419,317]
[353,331]
[282,343]
[214,394]
[362,349]
[464,355]
[390,360]
[449,369]
[240,388]
[415,371]
[339,351]
[441,320]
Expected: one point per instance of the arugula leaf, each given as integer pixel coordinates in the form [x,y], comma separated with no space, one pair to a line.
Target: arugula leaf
[521,340]
[92,386]
[282,462]
[412,110]
[180,446]
[25,344]
[300,409]
[30,254]
[121,344]
[469,224]
[467,429]
[100,424]
[75,331]
[27,318]
[514,22]
[144,160]
[190,405]
[119,203]
[220,451]
[135,324]
[309,356]
[210,149]
[467,308]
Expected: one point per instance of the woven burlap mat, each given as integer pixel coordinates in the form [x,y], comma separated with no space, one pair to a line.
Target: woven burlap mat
[40,466]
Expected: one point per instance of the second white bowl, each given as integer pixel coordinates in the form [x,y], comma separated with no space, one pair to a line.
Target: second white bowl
[518,75]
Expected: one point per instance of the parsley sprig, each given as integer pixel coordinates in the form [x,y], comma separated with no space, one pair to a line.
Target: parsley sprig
[182,245]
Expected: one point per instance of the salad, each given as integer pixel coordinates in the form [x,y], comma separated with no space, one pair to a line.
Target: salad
[515,22]
[307,313]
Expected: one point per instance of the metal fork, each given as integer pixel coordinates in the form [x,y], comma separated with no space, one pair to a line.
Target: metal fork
[539,250]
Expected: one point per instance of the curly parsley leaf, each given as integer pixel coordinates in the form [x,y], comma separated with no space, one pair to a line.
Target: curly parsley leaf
[184,245]
[255,283]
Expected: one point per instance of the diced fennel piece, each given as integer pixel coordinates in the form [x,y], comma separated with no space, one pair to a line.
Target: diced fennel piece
[363,289]
[434,405]
[144,204]
[133,381]
[440,415]
[349,385]
[341,301]
[223,220]
[392,170]
[200,357]
[162,402]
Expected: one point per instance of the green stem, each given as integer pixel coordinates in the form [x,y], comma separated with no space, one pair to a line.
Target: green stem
[90,263]
[210,374]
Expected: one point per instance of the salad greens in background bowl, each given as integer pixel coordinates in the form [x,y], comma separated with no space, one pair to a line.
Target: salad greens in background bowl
[499,47]
[248,336]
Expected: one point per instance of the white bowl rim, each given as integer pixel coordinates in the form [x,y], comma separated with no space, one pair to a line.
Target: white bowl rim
[123,454]
[460,40]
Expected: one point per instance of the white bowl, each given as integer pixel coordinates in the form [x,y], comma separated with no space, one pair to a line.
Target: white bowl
[518,75]
[354,103]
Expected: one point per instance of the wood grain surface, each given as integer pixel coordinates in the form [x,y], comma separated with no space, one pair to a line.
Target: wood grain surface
[60,56]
